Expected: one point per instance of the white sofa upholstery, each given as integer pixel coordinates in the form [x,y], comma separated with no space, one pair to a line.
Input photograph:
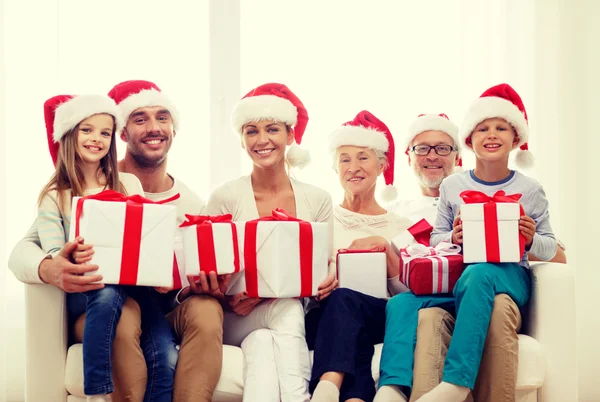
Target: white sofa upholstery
[547,365]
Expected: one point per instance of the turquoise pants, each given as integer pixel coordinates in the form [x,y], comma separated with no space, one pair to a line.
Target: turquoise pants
[473,300]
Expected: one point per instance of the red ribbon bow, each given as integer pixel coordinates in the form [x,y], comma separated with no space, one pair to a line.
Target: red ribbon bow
[490,219]
[205,219]
[206,242]
[132,236]
[305,247]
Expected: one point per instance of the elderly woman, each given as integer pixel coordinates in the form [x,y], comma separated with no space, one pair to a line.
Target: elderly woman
[348,324]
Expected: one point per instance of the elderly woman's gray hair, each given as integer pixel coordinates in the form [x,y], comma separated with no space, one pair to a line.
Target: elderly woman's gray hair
[380,155]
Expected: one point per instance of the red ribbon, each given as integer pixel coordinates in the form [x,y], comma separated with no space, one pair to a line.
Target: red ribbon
[306,252]
[207,256]
[490,219]
[132,235]
[421,231]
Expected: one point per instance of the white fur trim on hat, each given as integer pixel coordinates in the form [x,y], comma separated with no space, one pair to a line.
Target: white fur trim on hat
[524,159]
[263,107]
[72,112]
[489,107]
[389,193]
[432,122]
[149,98]
[359,137]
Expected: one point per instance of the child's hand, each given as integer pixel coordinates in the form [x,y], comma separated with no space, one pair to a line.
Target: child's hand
[83,253]
[163,289]
[527,229]
[457,236]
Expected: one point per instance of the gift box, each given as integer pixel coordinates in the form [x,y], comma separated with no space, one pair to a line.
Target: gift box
[363,270]
[419,233]
[281,256]
[210,244]
[133,237]
[431,270]
[491,227]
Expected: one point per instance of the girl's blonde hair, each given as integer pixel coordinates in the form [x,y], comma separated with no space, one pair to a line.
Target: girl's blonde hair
[68,174]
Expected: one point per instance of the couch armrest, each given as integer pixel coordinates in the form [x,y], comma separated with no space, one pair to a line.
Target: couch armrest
[45,343]
[551,321]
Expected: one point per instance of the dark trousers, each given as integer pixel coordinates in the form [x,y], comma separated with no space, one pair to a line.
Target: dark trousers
[343,332]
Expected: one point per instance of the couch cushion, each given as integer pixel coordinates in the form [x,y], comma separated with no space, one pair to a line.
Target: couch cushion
[229,389]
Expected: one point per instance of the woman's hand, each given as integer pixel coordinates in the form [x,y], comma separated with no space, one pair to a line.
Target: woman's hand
[375,243]
[326,287]
[243,305]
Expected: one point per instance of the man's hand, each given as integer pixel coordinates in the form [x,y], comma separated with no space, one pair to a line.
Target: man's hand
[326,287]
[457,235]
[62,273]
[241,304]
[527,229]
[375,243]
[213,285]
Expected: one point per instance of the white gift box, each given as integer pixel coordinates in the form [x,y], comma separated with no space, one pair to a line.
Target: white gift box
[364,272]
[220,254]
[102,224]
[277,252]
[481,247]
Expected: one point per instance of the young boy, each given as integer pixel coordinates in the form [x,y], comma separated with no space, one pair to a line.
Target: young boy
[495,125]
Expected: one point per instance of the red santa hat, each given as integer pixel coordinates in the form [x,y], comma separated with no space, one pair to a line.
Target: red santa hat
[500,101]
[62,113]
[366,130]
[434,122]
[134,94]
[275,102]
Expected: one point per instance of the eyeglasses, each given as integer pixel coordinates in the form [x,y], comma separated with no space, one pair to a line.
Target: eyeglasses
[441,149]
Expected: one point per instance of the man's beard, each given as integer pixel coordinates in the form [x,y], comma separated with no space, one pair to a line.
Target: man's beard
[146,162]
[431,182]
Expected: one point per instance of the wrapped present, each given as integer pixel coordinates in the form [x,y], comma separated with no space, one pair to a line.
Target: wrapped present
[419,233]
[210,244]
[363,270]
[431,270]
[282,257]
[491,227]
[133,237]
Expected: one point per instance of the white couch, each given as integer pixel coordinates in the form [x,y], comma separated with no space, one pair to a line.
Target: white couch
[547,365]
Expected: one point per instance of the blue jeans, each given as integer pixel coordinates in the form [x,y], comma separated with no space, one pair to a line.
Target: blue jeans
[103,310]
[473,299]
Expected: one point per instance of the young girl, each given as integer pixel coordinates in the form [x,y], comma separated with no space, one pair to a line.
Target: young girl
[495,125]
[81,132]
[269,119]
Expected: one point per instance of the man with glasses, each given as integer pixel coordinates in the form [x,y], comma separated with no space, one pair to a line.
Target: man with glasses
[433,154]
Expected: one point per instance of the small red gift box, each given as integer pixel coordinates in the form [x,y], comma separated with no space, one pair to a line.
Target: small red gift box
[419,233]
[431,270]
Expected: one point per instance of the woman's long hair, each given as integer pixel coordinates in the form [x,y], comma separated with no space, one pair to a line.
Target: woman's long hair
[68,174]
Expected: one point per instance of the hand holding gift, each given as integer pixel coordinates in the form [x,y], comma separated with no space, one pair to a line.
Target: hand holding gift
[457,235]
[374,243]
[527,228]
[243,305]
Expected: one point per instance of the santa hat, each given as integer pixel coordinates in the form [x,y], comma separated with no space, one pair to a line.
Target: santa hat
[500,101]
[434,122]
[63,113]
[132,95]
[275,102]
[366,130]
